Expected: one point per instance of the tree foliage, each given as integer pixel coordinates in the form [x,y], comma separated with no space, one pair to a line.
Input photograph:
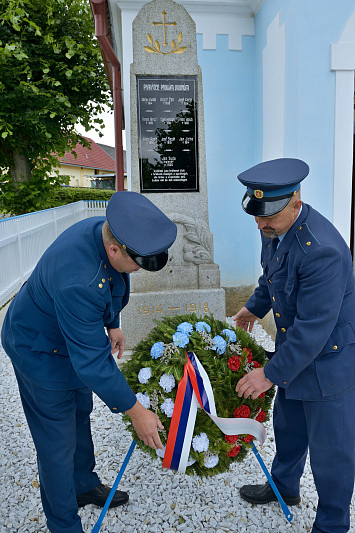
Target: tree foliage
[51,78]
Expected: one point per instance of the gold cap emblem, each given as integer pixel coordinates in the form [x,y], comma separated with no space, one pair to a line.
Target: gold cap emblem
[258,193]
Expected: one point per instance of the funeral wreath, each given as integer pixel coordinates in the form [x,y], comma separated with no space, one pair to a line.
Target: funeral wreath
[156,367]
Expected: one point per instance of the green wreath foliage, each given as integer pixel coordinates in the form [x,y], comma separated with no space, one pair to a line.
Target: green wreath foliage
[223,380]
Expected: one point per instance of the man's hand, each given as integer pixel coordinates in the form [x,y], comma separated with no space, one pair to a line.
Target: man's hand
[117,341]
[253,384]
[244,319]
[146,423]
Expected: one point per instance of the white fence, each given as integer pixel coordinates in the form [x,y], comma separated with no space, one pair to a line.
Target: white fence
[23,240]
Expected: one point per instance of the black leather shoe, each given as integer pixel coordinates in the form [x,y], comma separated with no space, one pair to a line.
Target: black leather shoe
[259,494]
[98,496]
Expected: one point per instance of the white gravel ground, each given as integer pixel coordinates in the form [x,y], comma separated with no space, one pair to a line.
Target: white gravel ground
[160,500]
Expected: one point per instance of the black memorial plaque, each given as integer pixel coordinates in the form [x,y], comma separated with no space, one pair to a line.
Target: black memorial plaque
[167,133]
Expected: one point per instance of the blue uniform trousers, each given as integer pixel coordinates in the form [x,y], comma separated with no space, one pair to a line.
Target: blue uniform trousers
[59,422]
[327,429]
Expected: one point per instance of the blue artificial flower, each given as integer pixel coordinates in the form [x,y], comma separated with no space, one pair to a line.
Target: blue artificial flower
[181,339]
[202,326]
[220,344]
[185,327]
[232,337]
[157,350]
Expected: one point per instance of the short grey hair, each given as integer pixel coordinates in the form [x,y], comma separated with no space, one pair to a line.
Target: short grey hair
[107,235]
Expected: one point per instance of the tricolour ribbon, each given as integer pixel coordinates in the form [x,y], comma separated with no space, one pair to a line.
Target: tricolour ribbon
[195,389]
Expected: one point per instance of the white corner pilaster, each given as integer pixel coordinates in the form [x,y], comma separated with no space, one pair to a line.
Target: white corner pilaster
[342,61]
[274,73]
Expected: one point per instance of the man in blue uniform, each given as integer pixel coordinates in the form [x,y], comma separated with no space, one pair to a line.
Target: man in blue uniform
[308,283]
[54,333]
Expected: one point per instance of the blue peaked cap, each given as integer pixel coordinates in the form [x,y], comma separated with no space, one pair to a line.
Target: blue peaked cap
[271,185]
[142,228]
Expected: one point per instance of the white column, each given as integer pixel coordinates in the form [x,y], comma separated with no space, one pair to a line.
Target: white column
[274,68]
[343,152]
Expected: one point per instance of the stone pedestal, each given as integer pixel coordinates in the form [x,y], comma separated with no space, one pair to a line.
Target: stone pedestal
[144,308]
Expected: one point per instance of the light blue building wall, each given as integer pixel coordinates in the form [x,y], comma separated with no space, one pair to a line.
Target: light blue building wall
[229,103]
[234,82]
[311,27]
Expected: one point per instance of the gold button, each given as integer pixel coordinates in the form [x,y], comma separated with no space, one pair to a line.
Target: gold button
[105,266]
[262,263]
[277,258]
[273,299]
[283,330]
[55,351]
[300,228]
[103,280]
[114,408]
[335,347]
[100,285]
[308,243]
[284,382]
[270,281]
[110,279]
[278,315]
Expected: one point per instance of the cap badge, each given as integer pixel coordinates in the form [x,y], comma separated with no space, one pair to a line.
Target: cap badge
[258,193]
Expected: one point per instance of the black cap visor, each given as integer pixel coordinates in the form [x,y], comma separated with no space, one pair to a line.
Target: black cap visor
[152,263]
[264,207]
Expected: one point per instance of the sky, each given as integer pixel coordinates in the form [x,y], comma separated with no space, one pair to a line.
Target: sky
[108,132]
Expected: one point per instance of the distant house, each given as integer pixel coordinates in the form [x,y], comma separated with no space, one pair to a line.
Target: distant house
[93,167]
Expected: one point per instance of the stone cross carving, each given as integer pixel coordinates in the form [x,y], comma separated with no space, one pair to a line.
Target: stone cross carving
[164,24]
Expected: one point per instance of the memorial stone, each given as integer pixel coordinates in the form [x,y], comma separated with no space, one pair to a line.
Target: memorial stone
[168,165]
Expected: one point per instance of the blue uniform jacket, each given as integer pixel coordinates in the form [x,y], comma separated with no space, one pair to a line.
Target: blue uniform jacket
[309,285]
[54,328]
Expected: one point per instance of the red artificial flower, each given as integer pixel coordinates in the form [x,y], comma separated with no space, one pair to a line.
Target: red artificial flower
[248,353]
[261,395]
[242,412]
[248,438]
[231,438]
[256,364]
[261,416]
[234,451]
[234,363]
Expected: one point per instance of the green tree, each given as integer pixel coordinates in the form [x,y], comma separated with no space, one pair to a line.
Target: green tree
[51,78]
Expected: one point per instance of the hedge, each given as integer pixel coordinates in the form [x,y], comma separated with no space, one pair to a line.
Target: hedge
[68,195]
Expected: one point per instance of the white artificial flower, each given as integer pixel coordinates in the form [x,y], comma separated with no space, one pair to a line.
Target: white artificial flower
[143,399]
[167,382]
[190,461]
[211,461]
[160,453]
[200,443]
[144,375]
[167,407]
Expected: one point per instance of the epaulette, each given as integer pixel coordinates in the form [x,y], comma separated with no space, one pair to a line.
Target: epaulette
[101,279]
[306,239]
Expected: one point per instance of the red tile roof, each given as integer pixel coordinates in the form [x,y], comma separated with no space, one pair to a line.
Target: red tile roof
[95,158]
